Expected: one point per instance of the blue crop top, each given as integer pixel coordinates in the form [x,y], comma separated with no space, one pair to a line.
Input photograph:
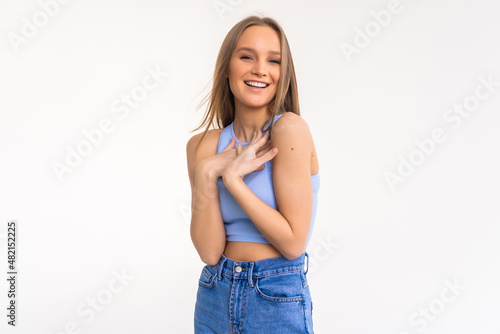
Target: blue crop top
[236,222]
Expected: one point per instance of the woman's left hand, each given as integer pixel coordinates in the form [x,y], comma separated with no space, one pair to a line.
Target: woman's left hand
[250,158]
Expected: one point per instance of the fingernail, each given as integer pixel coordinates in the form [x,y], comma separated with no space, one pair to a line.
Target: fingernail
[275,150]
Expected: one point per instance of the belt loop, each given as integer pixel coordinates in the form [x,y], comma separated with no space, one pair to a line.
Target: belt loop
[307,263]
[250,273]
[221,265]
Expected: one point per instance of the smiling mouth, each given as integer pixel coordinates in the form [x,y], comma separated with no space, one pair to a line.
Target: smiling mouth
[256,84]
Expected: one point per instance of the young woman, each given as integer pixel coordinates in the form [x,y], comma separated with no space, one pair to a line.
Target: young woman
[254,184]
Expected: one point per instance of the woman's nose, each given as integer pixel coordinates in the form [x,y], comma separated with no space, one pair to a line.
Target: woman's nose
[260,68]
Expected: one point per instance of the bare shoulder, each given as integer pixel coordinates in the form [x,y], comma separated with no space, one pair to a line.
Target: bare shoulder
[291,124]
[290,134]
[199,148]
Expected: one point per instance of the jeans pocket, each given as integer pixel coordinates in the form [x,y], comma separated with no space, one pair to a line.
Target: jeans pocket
[282,287]
[207,277]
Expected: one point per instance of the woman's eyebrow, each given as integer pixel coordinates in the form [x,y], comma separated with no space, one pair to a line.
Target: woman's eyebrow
[252,50]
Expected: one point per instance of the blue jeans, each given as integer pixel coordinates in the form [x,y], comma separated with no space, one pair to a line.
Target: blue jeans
[268,296]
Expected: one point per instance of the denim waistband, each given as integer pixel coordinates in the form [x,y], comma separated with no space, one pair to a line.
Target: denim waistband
[247,269]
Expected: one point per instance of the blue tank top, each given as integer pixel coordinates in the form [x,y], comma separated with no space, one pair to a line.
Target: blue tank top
[237,225]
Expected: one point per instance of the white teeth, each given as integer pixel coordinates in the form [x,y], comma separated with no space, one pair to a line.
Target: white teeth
[256,84]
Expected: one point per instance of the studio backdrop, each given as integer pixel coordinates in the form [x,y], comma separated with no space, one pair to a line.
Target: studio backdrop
[98,101]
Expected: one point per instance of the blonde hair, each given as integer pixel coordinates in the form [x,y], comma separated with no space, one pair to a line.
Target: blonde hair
[220,109]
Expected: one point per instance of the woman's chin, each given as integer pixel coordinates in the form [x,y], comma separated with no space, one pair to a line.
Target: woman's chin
[256,104]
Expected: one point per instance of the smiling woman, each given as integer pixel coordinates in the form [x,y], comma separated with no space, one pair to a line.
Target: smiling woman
[254,189]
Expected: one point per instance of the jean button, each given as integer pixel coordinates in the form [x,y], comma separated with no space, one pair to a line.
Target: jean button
[238,269]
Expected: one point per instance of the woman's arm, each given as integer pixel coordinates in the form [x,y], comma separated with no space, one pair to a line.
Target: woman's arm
[288,228]
[207,228]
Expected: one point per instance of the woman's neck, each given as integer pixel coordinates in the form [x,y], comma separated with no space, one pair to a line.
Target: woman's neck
[246,122]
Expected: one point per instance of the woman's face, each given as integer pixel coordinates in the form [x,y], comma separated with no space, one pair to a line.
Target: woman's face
[256,59]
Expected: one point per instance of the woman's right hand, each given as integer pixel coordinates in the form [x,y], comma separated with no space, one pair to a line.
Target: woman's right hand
[217,163]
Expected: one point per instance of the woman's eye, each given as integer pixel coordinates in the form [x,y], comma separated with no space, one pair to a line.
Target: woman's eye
[248,57]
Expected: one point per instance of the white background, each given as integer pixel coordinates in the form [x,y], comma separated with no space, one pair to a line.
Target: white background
[380,257]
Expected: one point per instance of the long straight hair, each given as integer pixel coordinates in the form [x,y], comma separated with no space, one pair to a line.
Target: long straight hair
[221,111]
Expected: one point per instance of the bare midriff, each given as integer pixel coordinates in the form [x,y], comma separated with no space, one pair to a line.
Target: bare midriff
[249,251]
